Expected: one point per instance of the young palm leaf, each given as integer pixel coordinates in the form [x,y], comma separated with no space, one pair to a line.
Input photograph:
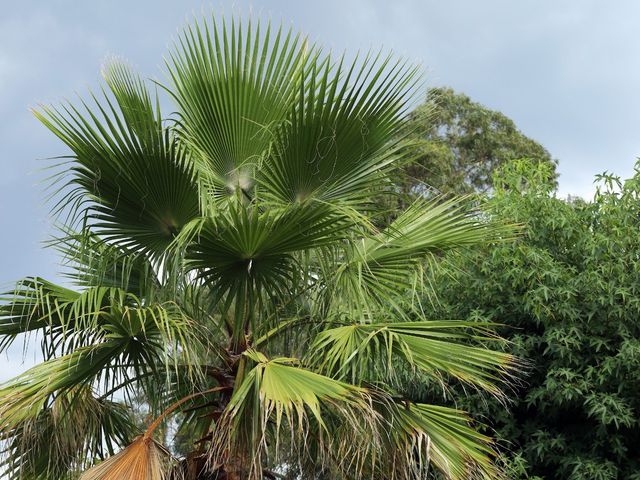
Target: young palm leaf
[234,85]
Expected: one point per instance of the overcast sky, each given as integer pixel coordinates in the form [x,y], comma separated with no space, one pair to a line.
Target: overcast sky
[566,72]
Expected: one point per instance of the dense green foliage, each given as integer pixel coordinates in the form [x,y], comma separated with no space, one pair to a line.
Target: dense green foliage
[459,143]
[569,294]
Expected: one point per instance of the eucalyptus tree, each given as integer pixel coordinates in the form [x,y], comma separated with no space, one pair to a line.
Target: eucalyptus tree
[460,143]
[226,267]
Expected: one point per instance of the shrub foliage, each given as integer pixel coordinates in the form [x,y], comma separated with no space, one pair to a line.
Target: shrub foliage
[568,293]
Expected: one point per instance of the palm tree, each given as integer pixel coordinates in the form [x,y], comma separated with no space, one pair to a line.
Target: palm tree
[228,265]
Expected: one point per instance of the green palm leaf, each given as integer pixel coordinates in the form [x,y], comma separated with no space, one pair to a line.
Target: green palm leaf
[71,320]
[278,392]
[336,143]
[137,180]
[379,271]
[441,436]
[91,261]
[27,394]
[437,348]
[234,86]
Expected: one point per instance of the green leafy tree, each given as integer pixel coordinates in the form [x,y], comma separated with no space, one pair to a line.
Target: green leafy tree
[569,294]
[227,273]
[458,144]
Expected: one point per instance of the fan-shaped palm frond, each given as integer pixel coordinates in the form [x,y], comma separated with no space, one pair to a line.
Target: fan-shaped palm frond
[441,436]
[379,270]
[230,268]
[278,392]
[144,459]
[130,172]
[91,261]
[70,320]
[234,86]
[436,348]
[336,144]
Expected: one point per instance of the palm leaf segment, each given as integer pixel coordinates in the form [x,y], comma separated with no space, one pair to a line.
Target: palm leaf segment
[214,253]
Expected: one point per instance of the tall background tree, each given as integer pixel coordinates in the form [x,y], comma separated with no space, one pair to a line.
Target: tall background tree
[457,144]
[226,267]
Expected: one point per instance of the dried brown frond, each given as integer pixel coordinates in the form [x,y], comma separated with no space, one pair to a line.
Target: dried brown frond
[144,459]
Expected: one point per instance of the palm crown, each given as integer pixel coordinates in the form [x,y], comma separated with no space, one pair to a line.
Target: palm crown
[233,270]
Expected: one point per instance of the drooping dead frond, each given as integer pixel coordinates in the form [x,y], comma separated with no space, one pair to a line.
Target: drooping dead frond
[144,459]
